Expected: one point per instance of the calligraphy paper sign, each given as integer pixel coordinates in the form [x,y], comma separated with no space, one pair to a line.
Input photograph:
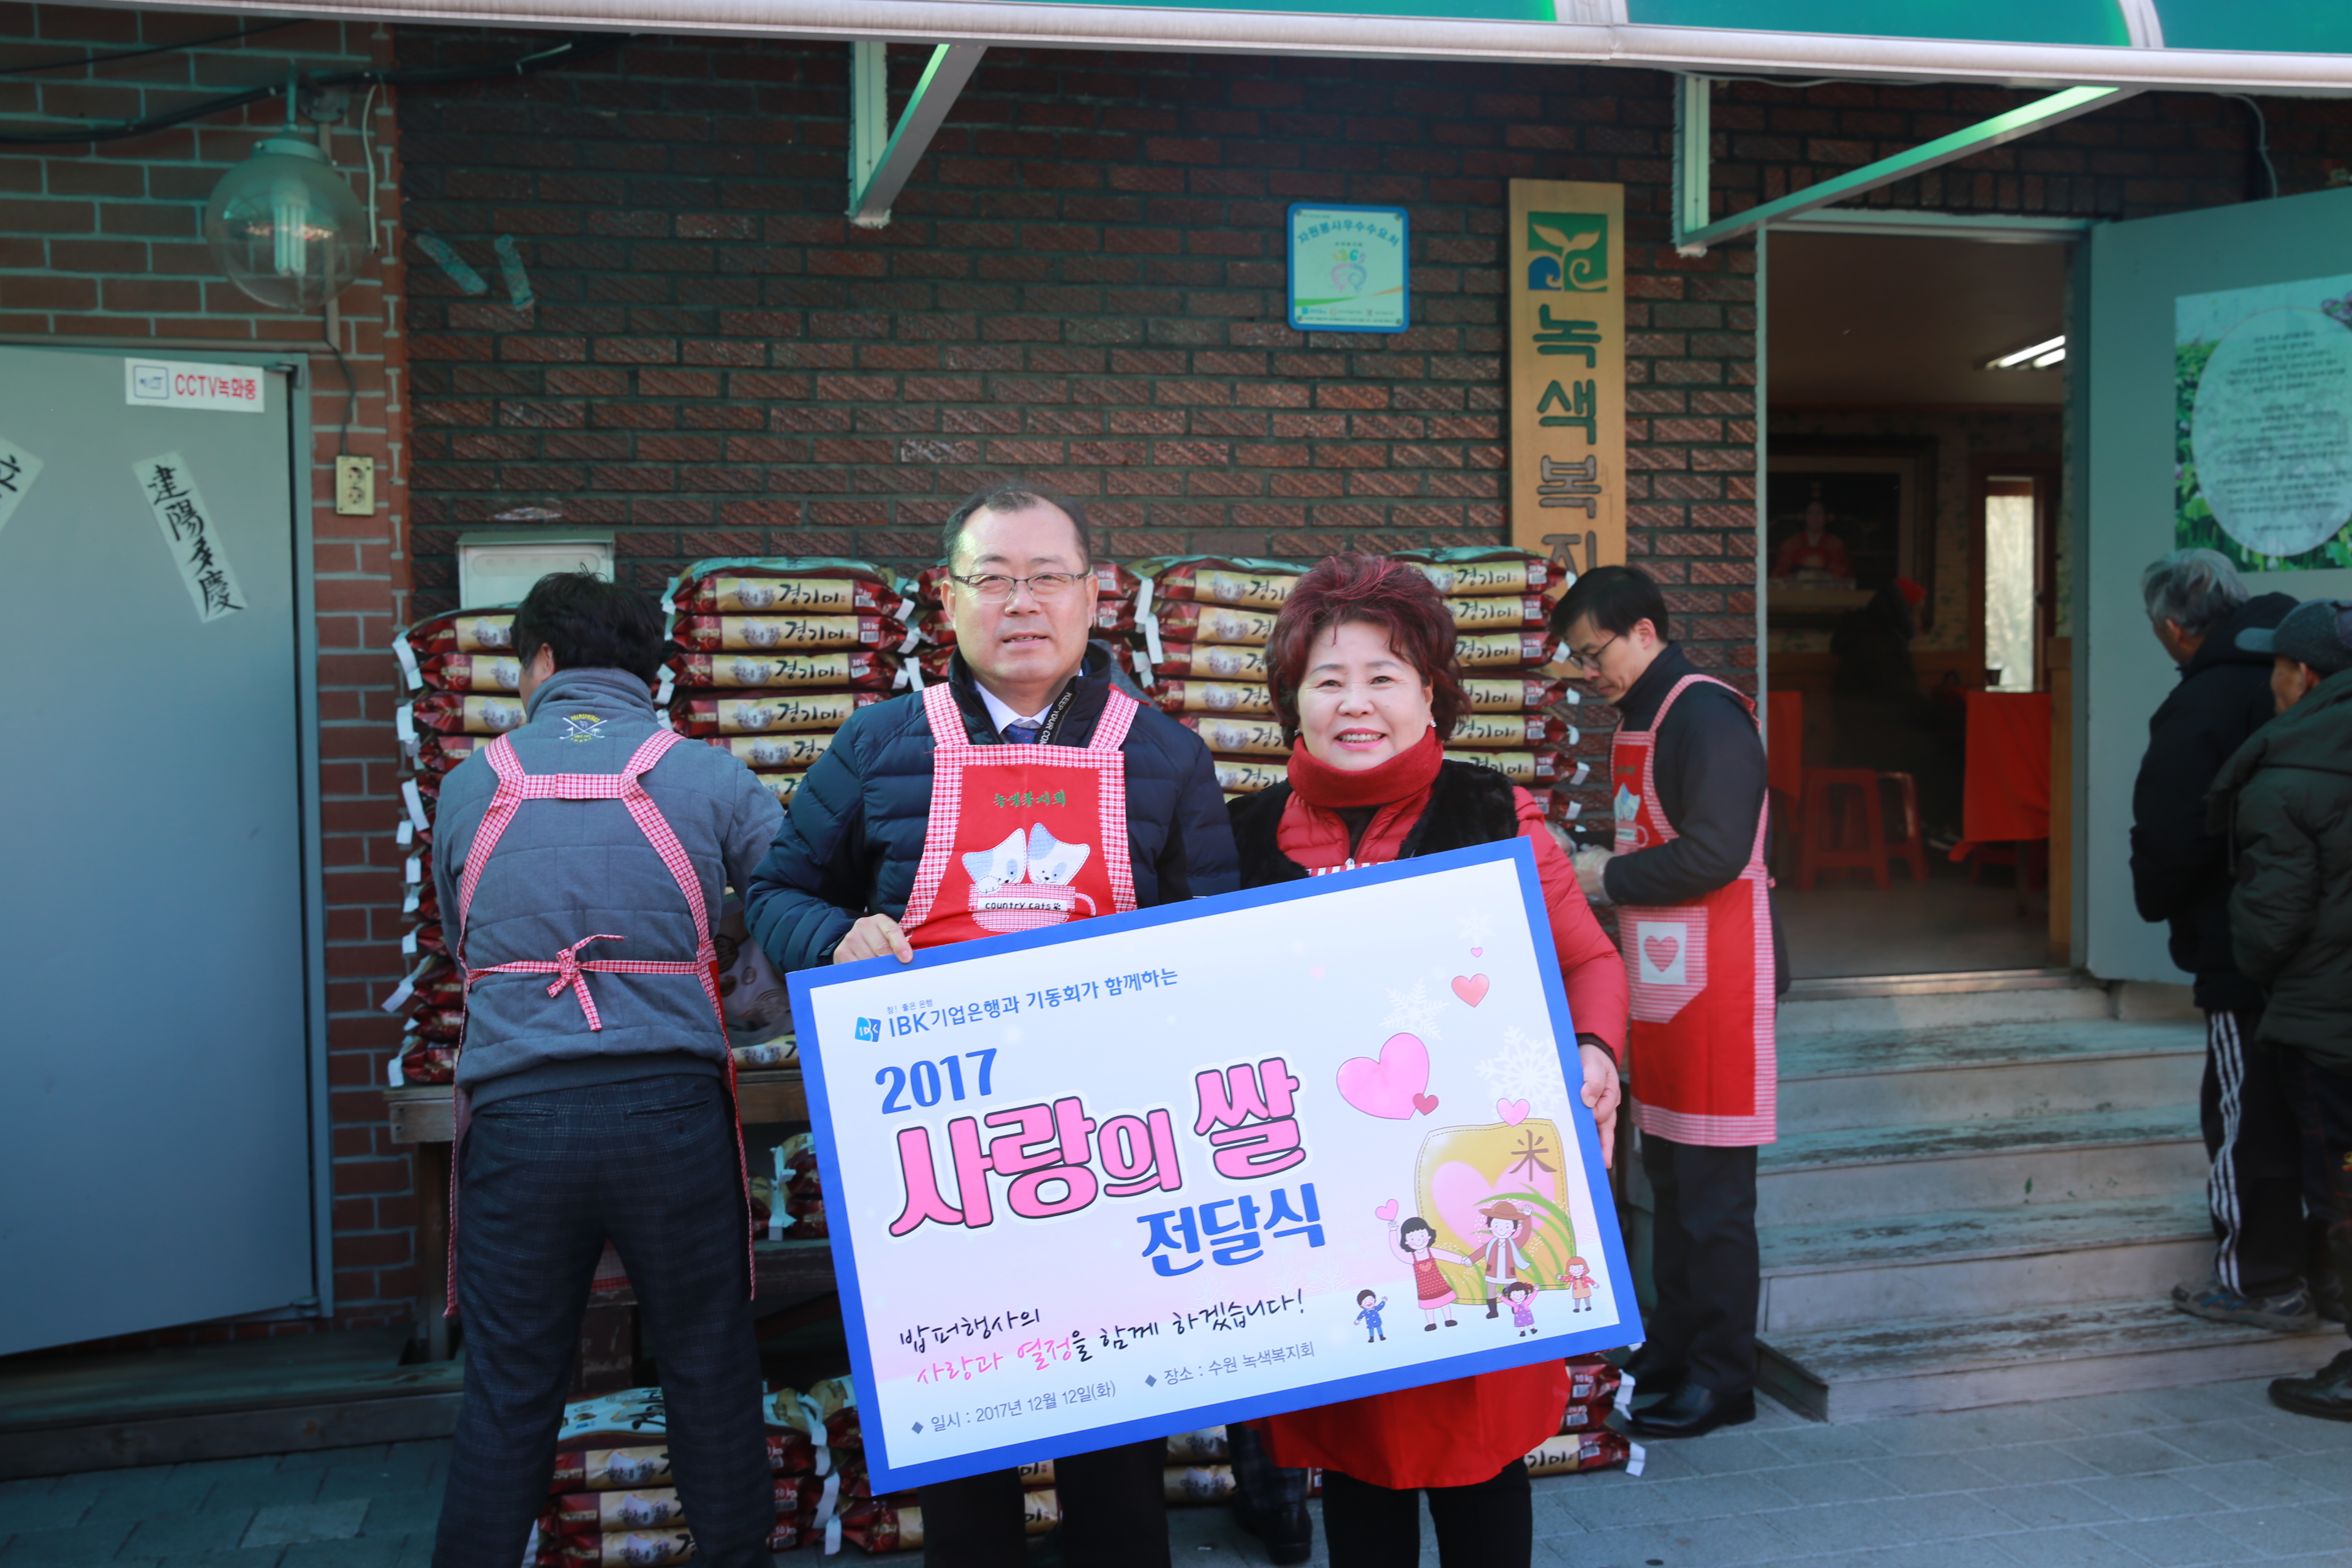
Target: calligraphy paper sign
[188,529]
[19,469]
[1147,1173]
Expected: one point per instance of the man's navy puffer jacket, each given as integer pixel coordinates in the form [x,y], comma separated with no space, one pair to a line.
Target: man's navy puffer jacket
[853,835]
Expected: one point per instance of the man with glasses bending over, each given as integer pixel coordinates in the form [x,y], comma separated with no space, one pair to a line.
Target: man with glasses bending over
[1685,873]
[1003,772]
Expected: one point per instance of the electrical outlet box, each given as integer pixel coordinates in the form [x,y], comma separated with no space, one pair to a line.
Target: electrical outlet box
[499,568]
[355,487]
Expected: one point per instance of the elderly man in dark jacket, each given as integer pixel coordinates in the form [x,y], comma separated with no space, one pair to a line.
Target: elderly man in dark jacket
[2197,606]
[2286,799]
[592,1087]
[948,769]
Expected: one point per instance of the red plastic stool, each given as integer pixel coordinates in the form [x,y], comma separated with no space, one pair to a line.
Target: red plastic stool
[1910,848]
[1830,832]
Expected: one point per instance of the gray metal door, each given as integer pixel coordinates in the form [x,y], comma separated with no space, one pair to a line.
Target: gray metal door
[156,929]
[2159,287]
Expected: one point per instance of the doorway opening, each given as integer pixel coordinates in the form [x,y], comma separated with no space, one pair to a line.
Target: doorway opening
[1914,486]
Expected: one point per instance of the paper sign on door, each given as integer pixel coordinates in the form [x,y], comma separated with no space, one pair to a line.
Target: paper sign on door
[19,469]
[187,525]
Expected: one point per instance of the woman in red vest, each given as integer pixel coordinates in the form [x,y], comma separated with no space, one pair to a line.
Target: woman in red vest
[1363,678]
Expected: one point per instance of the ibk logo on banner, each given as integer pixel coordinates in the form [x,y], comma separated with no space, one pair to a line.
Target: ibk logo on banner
[173,383]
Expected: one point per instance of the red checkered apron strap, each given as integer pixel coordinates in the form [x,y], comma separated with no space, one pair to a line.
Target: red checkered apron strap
[1110,734]
[512,784]
[951,748]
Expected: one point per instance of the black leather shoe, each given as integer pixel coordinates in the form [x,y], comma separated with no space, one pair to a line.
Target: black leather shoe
[1692,1410]
[1288,1532]
[2327,1393]
[1652,1379]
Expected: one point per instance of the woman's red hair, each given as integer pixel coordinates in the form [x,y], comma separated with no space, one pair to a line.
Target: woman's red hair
[1371,592]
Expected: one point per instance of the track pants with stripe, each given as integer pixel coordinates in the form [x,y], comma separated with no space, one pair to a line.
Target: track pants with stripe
[2255,1190]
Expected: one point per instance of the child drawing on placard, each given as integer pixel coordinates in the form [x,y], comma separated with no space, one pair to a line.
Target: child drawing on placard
[1522,1298]
[1416,1242]
[1370,1302]
[1580,1284]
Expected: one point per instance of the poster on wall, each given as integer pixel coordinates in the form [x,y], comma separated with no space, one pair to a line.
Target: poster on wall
[1112,1178]
[2262,389]
[1351,268]
[1565,276]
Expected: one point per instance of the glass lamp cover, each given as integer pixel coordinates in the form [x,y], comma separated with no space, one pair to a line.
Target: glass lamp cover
[285,226]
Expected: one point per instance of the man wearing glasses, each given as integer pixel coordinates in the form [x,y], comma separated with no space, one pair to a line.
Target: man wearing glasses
[1702,961]
[995,786]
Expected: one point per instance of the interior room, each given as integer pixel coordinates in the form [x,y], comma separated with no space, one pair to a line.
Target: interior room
[1915,392]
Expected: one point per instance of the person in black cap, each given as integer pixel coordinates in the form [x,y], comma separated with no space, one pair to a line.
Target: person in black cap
[2285,801]
[2196,605]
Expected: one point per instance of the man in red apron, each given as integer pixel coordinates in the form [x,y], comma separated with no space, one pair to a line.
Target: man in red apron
[1025,791]
[579,860]
[1702,954]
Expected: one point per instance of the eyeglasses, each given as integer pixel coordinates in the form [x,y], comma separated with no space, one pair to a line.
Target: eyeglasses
[1045,587]
[1590,662]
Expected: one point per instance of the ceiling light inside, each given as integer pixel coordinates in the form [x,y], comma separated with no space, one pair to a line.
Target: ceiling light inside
[2046,352]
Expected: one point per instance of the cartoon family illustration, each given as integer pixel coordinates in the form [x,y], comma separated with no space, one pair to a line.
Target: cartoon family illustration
[1508,1277]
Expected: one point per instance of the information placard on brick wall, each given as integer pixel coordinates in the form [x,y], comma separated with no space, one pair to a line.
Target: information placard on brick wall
[1567,279]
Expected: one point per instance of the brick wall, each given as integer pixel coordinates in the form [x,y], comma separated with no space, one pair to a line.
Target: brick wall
[102,243]
[1082,282]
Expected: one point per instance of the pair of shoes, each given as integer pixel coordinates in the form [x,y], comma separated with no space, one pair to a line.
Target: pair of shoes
[1692,1410]
[2327,1393]
[1288,1531]
[2288,1310]
[1652,1378]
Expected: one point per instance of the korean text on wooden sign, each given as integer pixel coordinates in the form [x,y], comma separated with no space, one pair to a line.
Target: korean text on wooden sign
[1565,276]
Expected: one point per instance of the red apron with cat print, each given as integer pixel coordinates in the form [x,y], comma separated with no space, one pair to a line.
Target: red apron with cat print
[1699,1044]
[1021,836]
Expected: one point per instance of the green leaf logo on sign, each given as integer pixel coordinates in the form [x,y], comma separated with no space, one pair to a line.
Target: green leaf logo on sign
[1567,253]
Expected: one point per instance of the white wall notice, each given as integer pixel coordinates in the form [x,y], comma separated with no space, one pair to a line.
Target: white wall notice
[19,469]
[187,525]
[173,383]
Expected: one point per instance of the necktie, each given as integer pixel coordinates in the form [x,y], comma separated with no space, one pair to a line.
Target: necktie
[1022,732]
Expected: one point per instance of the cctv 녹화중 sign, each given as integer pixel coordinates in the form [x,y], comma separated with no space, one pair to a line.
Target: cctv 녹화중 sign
[1155,1171]
[173,383]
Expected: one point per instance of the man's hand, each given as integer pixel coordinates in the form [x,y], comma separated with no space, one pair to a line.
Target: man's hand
[1591,864]
[1603,1094]
[871,938]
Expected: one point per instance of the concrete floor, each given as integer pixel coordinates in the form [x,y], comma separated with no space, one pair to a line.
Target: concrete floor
[1912,928]
[2183,1476]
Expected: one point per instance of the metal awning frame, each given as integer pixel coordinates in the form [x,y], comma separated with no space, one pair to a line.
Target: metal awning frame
[1694,234]
[881,159]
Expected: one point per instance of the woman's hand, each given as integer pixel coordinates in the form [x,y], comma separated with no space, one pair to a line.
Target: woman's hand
[1601,1093]
[871,938]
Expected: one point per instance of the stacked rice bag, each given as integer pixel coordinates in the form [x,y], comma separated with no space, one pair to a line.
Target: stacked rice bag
[1595,1388]
[1204,621]
[1114,606]
[772,655]
[460,689]
[614,1500]
[1521,705]
[790,1197]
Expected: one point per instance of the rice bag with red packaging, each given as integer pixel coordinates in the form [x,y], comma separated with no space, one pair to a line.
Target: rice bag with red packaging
[1512,731]
[768,752]
[1531,770]
[1500,612]
[472,672]
[1222,580]
[1212,661]
[703,717]
[1214,623]
[463,714]
[1482,571]
[1212,696]
[1572,1452]
[751,590]
[1238,737]
[429,1065]
[1237,775]
[1495,651]
[849,670]
[1593,1378]
[781,785]
[438,754]
[1497,694]
[487,630]
[731,634]
[442,1025]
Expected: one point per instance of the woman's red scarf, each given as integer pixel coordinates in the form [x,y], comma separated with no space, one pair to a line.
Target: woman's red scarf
[1314,838]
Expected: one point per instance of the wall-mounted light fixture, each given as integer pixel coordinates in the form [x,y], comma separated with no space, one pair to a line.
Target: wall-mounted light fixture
[284,225]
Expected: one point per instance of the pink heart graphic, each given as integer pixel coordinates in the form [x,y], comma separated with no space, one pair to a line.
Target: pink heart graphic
[1389,1087]
[1424,1103]
[1512,1112]
[1386,1211]
[1659,949]
[1477,953]
[1471,988]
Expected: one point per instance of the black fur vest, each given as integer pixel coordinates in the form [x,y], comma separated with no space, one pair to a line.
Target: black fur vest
[1467,805]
